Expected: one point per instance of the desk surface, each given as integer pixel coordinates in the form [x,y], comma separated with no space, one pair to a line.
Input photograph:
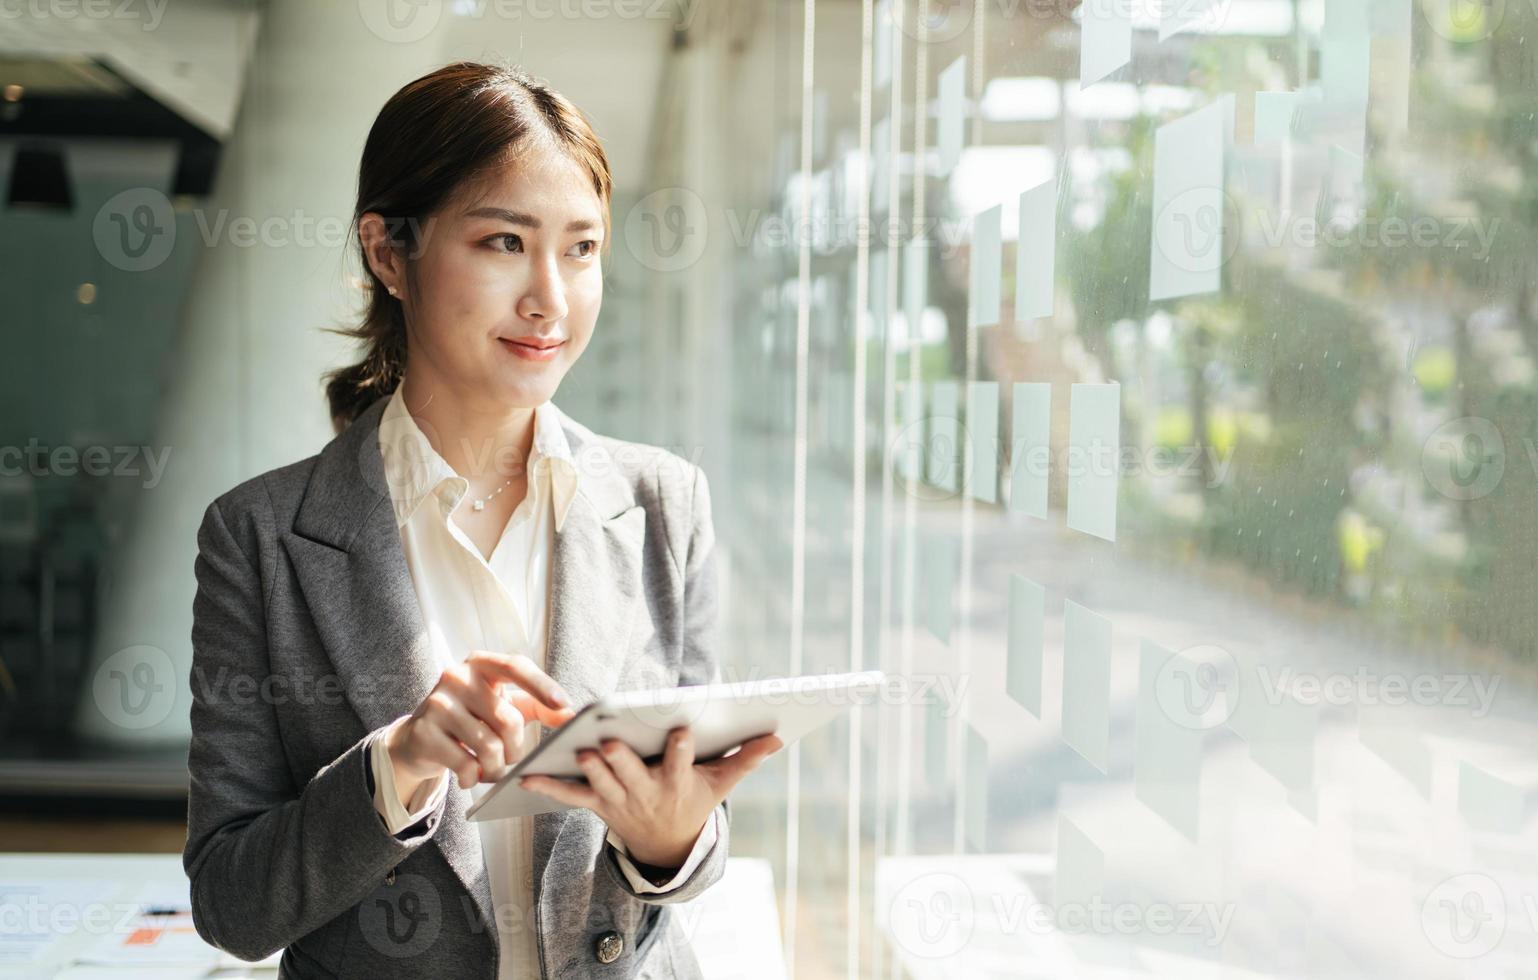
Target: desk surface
[735,924]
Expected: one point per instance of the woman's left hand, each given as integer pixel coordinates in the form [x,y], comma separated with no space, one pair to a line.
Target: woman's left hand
[658,810]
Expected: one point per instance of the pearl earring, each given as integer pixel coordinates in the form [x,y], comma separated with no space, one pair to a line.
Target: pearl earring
[393,292]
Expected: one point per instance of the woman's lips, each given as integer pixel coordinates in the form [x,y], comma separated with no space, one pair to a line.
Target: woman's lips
[531,353]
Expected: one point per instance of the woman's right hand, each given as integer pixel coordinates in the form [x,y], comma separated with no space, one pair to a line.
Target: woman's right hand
[469,726]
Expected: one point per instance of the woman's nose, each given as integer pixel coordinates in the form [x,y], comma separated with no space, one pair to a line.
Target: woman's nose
[545,298]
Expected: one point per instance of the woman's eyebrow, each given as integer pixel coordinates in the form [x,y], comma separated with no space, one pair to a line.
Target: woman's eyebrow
[528,220]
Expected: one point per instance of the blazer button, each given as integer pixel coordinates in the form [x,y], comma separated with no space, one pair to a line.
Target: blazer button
[610,945]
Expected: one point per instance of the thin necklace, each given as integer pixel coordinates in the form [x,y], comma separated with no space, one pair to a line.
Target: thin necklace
[481,504]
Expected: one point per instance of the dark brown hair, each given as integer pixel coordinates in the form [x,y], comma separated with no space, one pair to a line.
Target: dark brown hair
[434,138]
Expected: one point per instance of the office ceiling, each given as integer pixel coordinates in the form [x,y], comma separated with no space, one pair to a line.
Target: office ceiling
[194,61]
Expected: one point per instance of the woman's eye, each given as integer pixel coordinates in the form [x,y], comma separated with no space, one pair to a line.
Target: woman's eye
[510,240]
[591,245]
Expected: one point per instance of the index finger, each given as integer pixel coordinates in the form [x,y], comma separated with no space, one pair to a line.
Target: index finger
[549,704]
[532,710]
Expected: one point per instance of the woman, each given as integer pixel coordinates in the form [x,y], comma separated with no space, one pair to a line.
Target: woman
[382,628]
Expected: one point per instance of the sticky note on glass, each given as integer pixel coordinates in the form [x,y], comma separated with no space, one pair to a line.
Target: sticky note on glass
[944,462]
[1167,751]
[987,258]
[941,557]
[1188,203]
[953,112]
[1105,39]
[1182,15]
[977,790]
[875,298]
[937,742]
[1030,448]
[1345,52]
[1036,256]
[1079,878]
[880,164]
[838,415]
[819,126]
[915,285]
[1027,633]
[1281,738]
[1392,63]
[1094,458]
[1347,170]
[1402,748]
[882,44]
[910,445]
[1087,683]
[982,440]
[1489,802]
[1391,18]
[1274,115]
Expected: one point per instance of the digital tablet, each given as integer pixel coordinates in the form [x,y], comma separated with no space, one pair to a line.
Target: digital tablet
[720,716]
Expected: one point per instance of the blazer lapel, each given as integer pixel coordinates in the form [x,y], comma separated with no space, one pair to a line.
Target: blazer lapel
[595,575]
[595,591]
[347,555]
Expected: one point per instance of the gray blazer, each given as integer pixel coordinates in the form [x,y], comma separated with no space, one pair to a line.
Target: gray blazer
[308,639]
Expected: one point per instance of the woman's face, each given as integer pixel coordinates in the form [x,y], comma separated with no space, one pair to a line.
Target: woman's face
[504,294]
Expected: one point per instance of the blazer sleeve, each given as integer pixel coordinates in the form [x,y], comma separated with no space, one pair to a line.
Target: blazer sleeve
[269,860]
[698,665]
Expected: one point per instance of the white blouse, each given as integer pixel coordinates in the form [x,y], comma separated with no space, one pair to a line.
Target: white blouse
[472,603]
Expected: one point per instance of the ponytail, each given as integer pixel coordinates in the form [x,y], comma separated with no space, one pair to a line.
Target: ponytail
[352,389]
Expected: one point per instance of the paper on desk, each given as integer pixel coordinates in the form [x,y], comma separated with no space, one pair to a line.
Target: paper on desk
[42,911]
[160,932]
[161,972]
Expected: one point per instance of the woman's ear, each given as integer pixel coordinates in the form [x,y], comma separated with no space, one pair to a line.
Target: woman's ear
[381,251]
